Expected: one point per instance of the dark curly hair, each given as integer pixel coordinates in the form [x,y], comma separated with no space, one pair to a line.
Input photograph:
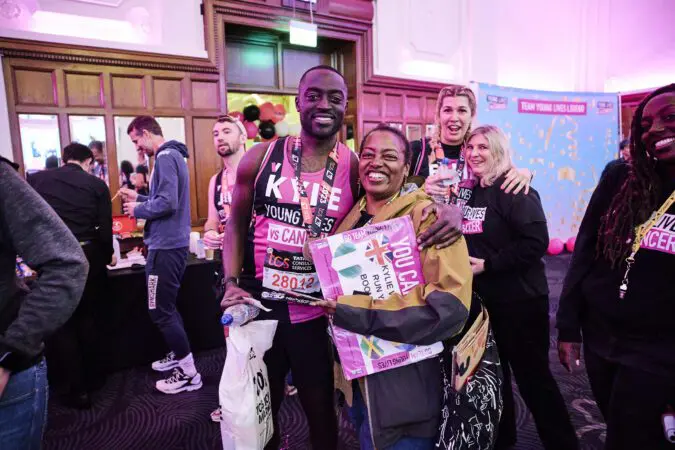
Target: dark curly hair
[638,197]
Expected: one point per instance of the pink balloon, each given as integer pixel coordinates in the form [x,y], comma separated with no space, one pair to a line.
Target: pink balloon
[251,129]
[569,245]
[555,246]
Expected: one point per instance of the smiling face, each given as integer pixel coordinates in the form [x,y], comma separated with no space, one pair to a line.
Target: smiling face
[658,127]
[321,102]
[455,118]
[479,155]
[143,141]
[382,165]
[227,138]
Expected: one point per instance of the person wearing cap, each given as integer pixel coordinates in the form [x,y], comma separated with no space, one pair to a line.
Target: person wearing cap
[229,140]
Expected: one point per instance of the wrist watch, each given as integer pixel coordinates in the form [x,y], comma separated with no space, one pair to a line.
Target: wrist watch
[229,280]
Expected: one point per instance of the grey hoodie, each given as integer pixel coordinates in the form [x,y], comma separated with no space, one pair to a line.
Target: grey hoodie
[167,208]
[31,229]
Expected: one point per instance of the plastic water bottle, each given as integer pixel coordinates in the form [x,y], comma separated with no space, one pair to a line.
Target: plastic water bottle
[448,178]
[238,315]
[116,249]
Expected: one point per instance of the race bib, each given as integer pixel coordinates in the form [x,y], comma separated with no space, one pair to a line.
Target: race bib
[306,283]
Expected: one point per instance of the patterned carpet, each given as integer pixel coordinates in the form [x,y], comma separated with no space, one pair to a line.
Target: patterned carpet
[129,414]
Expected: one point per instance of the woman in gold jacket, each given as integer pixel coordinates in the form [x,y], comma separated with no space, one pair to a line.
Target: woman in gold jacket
[403,404]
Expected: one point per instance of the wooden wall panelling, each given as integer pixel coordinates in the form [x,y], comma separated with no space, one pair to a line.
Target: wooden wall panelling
[207,163]
[205,95]
[414,108]
[11,106]
[372,105]
[167,93]
[83,89]
[128,91]
[34,87]
[111,154]
[192,151]
[64,130]
[149,92]
[430,109]
[394,106]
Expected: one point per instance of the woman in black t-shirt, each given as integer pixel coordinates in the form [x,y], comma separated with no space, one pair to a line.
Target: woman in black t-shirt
[507,237]
[626,313]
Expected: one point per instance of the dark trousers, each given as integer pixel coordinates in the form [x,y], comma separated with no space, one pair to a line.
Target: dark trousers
[164,271]
[305,350]
[521,330]
[632,402]
[71,350]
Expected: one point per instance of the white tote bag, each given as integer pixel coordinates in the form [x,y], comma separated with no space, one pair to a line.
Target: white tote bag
[244,388]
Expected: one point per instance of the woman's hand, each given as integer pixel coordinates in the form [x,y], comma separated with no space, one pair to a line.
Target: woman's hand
[445,230]
[568,352]
[329,306]
[433,186]
[519,179]
[477,265]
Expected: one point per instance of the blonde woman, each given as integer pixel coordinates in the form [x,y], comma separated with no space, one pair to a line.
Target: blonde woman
[455,111]
[507,237]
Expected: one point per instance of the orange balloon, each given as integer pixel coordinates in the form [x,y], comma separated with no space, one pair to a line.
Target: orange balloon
[266,111]
[279,113]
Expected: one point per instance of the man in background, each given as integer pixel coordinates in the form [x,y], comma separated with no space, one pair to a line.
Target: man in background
[52,162]
[30,228]
[142,172]
[100,166]
[167,236]
[82,201]
[624,150]
[624,157]
[229,140]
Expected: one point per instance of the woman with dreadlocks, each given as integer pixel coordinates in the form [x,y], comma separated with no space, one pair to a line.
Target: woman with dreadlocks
[618,293]
[455,110]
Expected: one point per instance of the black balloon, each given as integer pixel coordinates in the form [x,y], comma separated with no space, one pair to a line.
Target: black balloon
[251,113]
[350,132]
[266,129]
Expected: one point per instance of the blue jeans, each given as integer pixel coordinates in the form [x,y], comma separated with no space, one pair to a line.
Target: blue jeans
[358,413]
[23,409]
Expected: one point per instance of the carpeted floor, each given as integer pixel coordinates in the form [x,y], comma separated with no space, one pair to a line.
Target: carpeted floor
[129,414]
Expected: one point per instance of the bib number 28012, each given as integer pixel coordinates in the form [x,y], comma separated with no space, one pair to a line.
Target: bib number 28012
[301,282]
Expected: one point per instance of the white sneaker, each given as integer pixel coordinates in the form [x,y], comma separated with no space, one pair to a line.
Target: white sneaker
[179,382]
[165,364]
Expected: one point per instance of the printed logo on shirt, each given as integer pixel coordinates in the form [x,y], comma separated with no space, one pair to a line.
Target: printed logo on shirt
[291,215]
[473,220]
[277,186]
[290,236]
[662,236]
[153,280]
